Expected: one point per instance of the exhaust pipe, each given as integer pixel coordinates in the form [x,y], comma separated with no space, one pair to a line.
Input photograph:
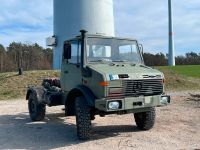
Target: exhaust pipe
[86,72]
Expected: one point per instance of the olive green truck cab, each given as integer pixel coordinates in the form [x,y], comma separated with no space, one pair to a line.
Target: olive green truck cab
[101,76]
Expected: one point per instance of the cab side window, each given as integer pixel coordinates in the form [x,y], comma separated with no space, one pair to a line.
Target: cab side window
[75,53]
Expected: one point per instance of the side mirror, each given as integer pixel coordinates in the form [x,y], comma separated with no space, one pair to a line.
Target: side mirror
[67,54]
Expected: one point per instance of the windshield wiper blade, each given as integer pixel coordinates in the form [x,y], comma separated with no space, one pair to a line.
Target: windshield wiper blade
[118,60]
[99,60]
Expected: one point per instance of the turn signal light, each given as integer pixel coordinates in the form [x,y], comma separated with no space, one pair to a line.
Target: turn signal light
[103,83]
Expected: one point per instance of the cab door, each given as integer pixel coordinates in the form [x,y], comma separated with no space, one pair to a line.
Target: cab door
[71,75]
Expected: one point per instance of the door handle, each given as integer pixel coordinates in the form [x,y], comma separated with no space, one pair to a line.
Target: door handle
[66,71]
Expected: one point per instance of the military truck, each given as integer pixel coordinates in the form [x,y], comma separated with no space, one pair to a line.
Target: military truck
[101,75]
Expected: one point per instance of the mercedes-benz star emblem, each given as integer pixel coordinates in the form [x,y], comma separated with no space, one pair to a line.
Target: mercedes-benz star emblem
[137,86]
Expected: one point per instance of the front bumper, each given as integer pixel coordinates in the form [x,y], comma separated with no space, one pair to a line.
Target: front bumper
[132,103]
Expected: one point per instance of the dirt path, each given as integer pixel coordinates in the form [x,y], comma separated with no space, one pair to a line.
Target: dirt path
[177,127]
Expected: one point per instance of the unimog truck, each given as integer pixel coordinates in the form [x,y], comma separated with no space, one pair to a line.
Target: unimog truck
[101,75]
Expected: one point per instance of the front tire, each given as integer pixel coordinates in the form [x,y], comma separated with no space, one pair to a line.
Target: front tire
[36,109]
[83,121]
[145,120]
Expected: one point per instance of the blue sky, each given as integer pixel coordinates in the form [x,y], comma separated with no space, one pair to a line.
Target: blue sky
[145,20]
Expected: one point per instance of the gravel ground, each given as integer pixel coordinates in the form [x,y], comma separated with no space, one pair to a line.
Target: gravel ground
[177,127]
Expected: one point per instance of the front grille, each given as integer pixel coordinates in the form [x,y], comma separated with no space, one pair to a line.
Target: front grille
[146,87]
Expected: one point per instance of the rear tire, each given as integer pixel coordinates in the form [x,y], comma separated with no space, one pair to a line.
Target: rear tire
[145,120]
[36,109]
[83,121]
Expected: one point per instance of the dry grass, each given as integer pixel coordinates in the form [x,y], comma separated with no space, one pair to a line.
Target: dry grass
[13,86]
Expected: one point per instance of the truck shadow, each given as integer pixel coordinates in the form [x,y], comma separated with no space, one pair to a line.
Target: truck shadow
[103,132]
[18,132]
[195,98]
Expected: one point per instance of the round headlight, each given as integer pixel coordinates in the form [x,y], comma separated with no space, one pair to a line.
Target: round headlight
[113,105]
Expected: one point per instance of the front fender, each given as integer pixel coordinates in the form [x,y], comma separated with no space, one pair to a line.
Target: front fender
[87,93]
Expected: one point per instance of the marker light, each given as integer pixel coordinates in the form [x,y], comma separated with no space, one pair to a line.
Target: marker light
[115,91]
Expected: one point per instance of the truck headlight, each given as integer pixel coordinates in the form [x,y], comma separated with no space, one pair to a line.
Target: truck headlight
[114,105]
[165,100]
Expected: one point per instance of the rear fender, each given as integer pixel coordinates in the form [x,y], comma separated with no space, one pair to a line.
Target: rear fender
[38,91]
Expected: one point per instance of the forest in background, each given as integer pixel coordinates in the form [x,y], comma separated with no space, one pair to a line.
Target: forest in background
[34,57]
[26,56]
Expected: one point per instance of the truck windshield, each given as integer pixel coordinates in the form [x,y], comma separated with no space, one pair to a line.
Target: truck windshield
[112,50]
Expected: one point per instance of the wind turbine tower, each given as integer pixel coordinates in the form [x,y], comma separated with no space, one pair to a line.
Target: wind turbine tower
[71,16]
[171,56]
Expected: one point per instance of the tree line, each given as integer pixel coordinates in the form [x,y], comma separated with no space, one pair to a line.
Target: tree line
[26,56]
[34,57]
[159,59]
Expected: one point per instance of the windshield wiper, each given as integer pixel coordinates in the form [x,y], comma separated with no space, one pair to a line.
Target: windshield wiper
[119,61]
[99,60]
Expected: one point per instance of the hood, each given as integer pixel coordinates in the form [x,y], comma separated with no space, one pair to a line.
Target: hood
[126,71]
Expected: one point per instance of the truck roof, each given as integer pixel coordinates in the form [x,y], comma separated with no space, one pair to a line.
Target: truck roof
[102,36]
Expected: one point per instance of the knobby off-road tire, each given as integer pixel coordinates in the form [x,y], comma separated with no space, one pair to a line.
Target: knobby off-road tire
[83,121]
[145,120]
[36,109]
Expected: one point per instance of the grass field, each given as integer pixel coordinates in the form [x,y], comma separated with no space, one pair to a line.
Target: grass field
[179,78]
[189,71]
